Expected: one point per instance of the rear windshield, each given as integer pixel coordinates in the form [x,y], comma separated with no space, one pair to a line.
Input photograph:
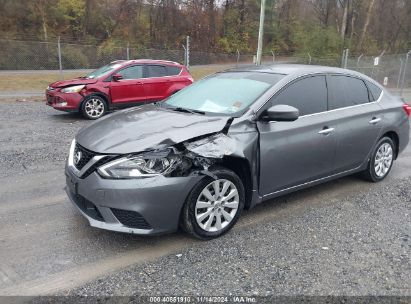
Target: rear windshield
[224,93]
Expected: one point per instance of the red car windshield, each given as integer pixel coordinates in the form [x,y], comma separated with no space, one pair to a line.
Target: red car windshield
[105,70]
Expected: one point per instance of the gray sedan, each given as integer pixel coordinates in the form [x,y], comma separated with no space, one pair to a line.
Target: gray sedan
[229,142]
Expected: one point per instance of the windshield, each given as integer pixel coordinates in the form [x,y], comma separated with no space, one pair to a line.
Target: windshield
[107,69]
[224,93]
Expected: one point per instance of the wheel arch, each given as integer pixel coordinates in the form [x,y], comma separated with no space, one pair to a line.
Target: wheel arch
[99,94]
[395,138]
[241,167]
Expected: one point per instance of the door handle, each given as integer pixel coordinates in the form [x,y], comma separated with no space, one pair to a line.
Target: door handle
[326,131]
[375,120]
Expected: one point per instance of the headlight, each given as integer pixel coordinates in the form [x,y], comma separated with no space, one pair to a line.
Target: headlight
[139,166]
[73,89]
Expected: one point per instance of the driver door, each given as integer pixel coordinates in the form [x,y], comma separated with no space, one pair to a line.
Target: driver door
[296,152]
[130,88]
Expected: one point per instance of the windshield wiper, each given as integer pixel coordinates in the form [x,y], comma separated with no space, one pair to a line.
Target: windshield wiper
[180,109]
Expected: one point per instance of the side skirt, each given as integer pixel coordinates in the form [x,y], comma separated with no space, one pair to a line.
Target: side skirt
[308,184]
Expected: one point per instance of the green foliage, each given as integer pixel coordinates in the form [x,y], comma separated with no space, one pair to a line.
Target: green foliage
[73,57]
[292,27]
[316,40]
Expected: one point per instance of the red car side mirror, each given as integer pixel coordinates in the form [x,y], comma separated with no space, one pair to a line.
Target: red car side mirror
[117,77]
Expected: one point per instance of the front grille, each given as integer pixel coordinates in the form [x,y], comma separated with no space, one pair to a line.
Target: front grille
[49,98]
[88,207]
[131,219]
[84,157]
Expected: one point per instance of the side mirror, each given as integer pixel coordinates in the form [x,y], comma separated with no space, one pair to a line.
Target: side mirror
[117,77]
[281,113]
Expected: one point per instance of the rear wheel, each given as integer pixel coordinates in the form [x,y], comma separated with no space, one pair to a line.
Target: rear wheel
[93,107]
[381,160]
[214,205]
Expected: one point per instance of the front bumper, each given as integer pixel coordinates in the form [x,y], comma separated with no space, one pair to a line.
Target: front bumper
[140,206]
[68,102]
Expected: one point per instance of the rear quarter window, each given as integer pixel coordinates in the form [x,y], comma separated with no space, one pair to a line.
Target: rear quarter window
[347,91]
[375,91]
[173,70]
[156,71]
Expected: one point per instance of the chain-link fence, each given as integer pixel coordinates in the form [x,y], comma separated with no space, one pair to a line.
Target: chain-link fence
[34,55]
[393,71]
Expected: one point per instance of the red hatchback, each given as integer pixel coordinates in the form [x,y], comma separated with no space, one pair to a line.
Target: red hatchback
[119,84]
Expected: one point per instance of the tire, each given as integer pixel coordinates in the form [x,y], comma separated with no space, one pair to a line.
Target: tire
[94,107]
[219,208]
[386,149]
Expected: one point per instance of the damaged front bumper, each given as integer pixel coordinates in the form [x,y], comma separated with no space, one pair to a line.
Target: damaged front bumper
[148,204]
[141,206]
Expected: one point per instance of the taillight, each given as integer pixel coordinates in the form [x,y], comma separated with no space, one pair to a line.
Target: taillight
[407,109]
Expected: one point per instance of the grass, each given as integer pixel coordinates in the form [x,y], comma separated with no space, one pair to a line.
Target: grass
[38,81]
[31,82]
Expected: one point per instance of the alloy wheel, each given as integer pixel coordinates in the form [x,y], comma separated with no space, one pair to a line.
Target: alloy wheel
[94,107]
[383,159]
[217,205]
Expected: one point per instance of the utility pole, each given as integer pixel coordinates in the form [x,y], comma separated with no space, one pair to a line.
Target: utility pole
[59,54]
[261,33]
[188,52]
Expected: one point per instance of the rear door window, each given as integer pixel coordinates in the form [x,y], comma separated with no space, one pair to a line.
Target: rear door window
[347,91]
[156,71]
[308,95]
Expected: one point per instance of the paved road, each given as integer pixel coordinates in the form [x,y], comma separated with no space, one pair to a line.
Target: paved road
[47,248]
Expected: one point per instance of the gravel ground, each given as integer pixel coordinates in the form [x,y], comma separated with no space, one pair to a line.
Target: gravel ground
[359,245]
[34,137]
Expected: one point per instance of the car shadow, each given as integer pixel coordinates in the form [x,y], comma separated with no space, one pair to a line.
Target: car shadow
[290,205]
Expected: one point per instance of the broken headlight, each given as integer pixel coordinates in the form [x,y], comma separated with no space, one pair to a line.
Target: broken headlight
[135,166]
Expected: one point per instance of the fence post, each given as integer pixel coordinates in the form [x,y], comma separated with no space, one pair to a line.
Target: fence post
[309,58]
[358,60]
[188,53]
[399,74]
[343,58]
[238,57]
[404,72]
[185,55]
[272,52]
[128,50]
[346,58]
[59,54]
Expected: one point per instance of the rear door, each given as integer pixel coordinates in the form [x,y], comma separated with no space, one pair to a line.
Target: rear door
[296,152]
[358,120]
[130,88]
[156,82]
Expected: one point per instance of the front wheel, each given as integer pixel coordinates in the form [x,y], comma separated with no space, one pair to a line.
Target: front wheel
[381,160]
[93,107]
[213,205]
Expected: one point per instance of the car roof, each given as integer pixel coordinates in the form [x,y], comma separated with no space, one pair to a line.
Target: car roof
[293,69]
[297,70]
[146,61]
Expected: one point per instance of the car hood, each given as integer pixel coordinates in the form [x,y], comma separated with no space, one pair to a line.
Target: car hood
[145,128]
[76,81]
